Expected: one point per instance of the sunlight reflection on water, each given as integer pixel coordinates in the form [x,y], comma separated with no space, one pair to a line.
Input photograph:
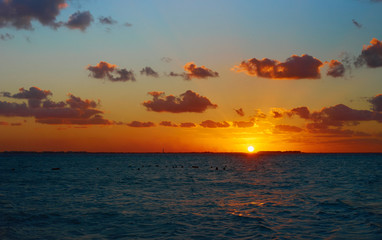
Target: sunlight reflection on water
[124,196]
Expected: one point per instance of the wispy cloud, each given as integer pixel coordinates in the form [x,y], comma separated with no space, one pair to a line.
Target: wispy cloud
[357,24]
[6,36]
[107,20]
[240,112]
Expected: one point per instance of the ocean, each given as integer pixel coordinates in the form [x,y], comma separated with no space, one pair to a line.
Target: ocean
[190,196]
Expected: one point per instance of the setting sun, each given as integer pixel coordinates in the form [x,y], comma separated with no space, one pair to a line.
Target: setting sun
[251,149]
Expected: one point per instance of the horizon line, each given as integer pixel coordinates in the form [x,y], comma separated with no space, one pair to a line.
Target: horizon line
[203,152]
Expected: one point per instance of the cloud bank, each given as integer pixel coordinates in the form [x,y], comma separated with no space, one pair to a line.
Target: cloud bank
[73,111]
[295,67]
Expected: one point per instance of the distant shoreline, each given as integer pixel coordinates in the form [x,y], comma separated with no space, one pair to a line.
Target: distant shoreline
[240,153]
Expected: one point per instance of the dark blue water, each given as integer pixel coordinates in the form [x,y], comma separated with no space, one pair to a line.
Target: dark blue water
[162,196]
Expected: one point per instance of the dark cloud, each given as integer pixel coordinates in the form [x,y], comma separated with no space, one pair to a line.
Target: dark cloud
[240,112]
[77,102]
[80,20]
[243,124]
[336,69]
[34,95]
[302,112]
[371,55]
[166,59]
[186,102]
[183,75]
[140,124]
[213,124]
[6,36]
[20,13]
[341,112]
[194,72]
[358,25]
[324,129]
[105,70]
[259,114]
[9,109]
[101,70]
[95,120]
[107,20]
[277,114]
[377,103]
[331,120]
[187,125]
[51,104]
[295,67]
[199,72]
[167,124]
[123,75]
[148,71]
[287,128]
[74,111]
[10,124]
[183,125]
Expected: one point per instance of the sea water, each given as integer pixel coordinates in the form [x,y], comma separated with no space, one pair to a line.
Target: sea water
[190,196]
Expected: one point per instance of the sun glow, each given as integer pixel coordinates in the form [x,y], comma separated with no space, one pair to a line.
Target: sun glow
[251,149]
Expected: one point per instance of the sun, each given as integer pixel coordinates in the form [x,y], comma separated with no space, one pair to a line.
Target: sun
[251,149]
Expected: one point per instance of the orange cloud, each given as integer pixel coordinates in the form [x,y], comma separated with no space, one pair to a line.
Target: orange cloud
[194,72]
[295,67]
[167,124]
[140,124]
[62,5]
[199,72]
[336,69]
[371,55]
[288,128]
[243,124]
[187,125]
[105,70]
[213,124]
[187,102]
[240,112]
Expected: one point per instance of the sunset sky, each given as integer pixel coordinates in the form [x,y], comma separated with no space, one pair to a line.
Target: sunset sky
[191,76]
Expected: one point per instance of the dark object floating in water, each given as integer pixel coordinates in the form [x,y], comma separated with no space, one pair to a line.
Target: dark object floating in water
[195,166]
[55,168]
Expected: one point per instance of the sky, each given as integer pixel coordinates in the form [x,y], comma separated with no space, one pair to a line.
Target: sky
[191,76]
